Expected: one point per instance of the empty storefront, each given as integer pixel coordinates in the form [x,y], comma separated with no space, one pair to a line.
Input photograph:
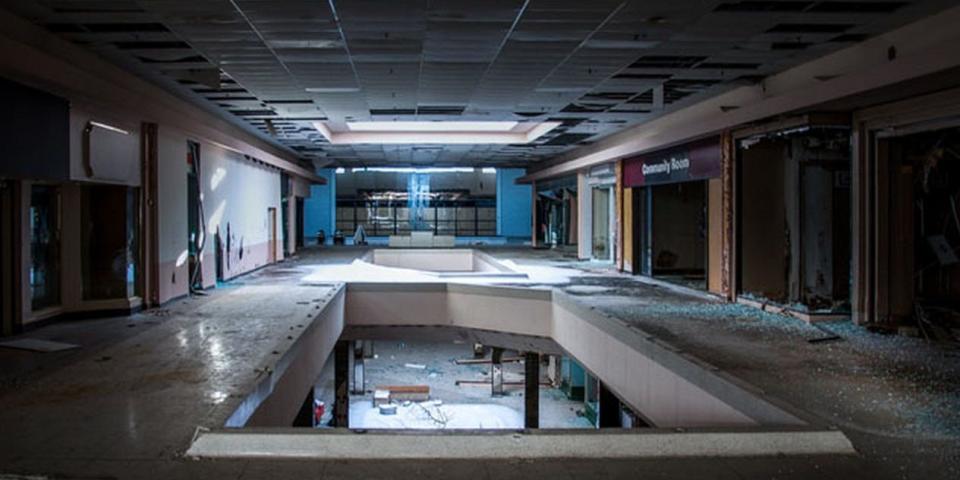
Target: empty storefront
[907,271]
[671,195]
[556,212]
[793,216]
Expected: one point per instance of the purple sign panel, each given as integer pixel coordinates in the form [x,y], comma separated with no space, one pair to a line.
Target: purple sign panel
[699,160]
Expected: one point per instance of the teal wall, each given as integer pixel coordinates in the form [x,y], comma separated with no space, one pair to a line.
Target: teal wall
[319,211]
[514,210]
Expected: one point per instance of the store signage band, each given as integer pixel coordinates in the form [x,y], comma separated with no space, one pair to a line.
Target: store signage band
[698,161]
[667,166]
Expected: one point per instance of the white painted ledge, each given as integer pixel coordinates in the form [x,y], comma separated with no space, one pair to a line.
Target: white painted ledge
[348,445]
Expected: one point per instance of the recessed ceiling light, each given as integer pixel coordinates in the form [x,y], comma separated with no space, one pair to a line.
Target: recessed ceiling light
[431,126]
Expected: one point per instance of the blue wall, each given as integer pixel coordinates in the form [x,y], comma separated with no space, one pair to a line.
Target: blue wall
[514,212]
[319,211]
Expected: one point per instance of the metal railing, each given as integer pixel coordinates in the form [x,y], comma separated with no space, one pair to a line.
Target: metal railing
[462,218]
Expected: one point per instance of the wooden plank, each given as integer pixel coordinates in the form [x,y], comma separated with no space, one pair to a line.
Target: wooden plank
[405,388]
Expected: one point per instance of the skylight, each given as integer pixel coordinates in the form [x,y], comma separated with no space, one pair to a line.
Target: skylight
[441,132]
[431,126]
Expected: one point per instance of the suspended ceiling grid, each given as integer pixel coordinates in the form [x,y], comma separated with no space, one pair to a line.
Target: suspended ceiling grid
[598,66]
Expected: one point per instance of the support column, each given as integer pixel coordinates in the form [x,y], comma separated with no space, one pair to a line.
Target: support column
[618,250]
[368,349]
[584,217]
[728,272]
[149,211]
[534,215]
[358,377]
[553,370]
[341,384]
[304,417]
[496,372]
[609,408]
[531,393]
[11,252]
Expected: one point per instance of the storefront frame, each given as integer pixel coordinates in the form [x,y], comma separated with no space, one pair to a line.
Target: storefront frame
[871,283]
[701,160]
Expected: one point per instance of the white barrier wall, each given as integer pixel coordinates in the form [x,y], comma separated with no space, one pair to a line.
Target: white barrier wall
[299,368]
[456,260]
[657,392]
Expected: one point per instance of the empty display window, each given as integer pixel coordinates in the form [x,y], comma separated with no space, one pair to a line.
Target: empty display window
[110,241]
[44,246]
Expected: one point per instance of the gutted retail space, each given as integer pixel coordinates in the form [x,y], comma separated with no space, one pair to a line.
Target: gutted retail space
[794,221]
[907,274]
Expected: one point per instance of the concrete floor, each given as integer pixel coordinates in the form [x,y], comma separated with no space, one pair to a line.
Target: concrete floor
[440,373]
[126,404]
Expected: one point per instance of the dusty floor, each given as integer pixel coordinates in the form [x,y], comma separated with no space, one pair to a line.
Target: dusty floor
[897,398]
[399,362]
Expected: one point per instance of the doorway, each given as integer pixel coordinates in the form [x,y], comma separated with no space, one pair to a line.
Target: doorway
[641,229]
[299,223]
[679,233]
[195,220]
[272,226]
[110,265]
[601,235]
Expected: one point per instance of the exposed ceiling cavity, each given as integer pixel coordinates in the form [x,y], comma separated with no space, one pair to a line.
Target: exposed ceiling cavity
[596,66]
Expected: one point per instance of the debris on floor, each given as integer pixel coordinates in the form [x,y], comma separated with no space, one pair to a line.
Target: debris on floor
[433,415]
[38,345]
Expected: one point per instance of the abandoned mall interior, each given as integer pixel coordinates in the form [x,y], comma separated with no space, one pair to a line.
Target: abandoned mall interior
[480,239]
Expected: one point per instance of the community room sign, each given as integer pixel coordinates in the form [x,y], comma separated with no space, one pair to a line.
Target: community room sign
[695,161]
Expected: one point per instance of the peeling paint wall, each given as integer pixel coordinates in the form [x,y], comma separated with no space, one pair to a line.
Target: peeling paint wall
[237,193]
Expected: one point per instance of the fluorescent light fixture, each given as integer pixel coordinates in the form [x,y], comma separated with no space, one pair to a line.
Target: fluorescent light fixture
[441,133]
[431,126]
[109,127]
[489,170]
[620,44]
[561,89]
[340,171]
[332,89]
[414,170]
